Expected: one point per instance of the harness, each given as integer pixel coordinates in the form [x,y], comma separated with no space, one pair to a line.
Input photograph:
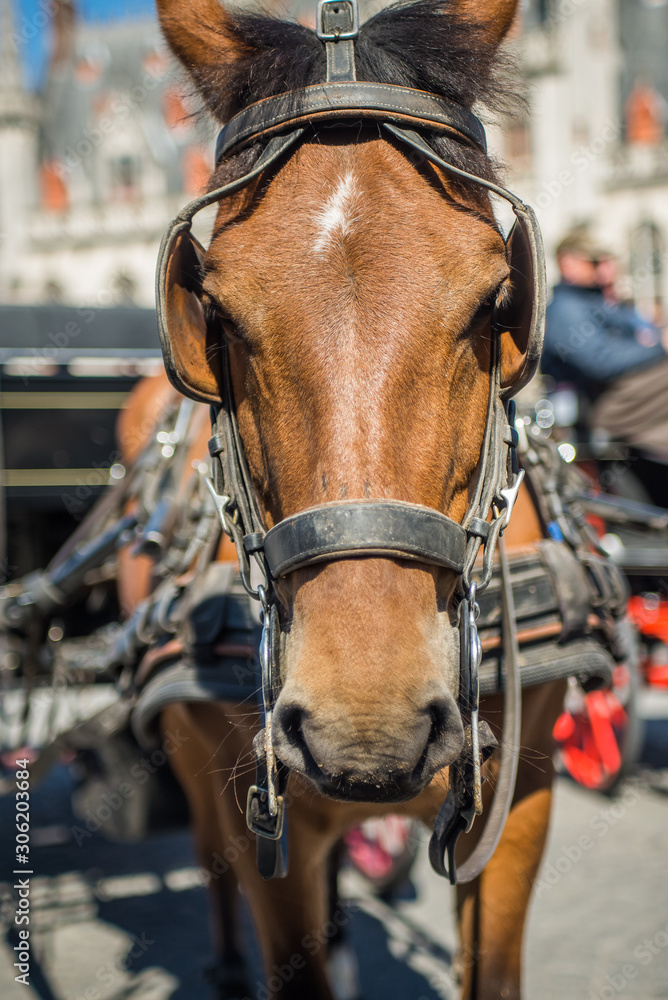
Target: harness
[391,529]
[196,637]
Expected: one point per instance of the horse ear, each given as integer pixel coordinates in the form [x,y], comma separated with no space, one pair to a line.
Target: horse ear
[201,35]
[521,320]
[191,346]
[493,18]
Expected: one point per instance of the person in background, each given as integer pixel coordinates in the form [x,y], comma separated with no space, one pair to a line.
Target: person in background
[612,355]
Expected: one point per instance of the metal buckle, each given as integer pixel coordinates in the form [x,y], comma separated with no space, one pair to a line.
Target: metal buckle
[220,503]
[508,496]
[259,819]
[342,35]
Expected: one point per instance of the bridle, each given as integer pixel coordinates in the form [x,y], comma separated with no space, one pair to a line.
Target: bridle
[358,528]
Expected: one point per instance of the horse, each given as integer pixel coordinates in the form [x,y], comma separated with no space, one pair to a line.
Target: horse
[355,288]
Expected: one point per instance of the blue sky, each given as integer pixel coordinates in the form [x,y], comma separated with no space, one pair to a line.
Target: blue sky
[34,37]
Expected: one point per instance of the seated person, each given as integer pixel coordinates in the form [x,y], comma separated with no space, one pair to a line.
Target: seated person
[612,355]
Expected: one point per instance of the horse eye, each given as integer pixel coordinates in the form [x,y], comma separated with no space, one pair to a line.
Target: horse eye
[217,314]
[498,298]
[230,328]
[489,304]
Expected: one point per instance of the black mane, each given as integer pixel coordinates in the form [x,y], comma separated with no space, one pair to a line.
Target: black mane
[413,44]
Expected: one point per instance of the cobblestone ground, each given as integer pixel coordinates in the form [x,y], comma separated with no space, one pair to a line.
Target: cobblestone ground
[116,922]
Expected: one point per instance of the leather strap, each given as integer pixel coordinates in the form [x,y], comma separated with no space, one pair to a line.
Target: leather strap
[337,101]
[528,222]
[512,722]
[338,27]
[358,528]
[456,808]
[270,155]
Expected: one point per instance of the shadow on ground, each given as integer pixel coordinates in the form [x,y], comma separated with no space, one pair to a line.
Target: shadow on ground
[168,928]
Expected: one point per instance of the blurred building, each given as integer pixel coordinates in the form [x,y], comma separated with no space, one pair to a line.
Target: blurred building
[94,166]
[594,148]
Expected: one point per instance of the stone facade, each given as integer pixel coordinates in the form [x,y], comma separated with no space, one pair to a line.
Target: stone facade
[93,168]
[593,149]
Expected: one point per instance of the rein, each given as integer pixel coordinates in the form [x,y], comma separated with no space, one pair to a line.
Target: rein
[357,528]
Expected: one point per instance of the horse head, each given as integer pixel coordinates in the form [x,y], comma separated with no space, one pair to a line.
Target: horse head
[358,290]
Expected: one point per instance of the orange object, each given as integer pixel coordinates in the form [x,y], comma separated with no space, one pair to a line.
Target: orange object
[644,118]
[54,191]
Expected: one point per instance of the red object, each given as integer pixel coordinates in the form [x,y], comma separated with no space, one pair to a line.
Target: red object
[369,857]
[597,523]
[9,758]
[657,675]
[375,846]
[649,616]
[589,739]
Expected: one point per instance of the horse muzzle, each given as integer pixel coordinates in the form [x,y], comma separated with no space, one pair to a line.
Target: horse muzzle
[390,758]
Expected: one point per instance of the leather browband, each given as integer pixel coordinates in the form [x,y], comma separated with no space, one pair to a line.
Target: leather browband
[358,528]
[378,101]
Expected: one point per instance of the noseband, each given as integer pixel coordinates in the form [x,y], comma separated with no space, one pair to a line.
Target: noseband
[390,529]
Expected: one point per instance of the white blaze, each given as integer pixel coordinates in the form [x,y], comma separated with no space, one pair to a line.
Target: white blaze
[335,219]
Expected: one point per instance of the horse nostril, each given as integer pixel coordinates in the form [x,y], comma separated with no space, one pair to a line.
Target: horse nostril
[290,742]
[440,716]
[446,734]
[291,719]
